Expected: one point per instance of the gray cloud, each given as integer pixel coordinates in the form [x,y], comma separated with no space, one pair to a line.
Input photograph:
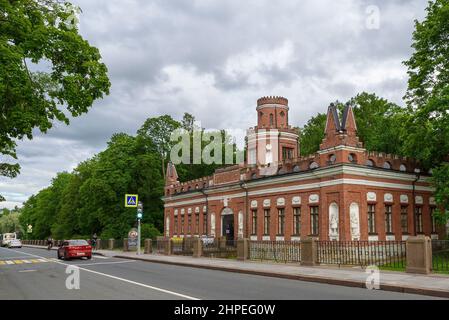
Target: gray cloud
[214,59]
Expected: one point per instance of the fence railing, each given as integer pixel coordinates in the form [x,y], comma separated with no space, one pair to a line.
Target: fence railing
[183,246]
[279,251]
[440,255]
[214,248]
[363,253]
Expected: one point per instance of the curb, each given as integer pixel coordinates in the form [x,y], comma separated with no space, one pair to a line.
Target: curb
[54,248]
[324,280]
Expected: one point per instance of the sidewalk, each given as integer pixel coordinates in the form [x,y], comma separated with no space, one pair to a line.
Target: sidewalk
[433,285]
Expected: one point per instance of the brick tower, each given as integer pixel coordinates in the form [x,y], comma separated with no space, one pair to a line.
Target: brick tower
[273,140]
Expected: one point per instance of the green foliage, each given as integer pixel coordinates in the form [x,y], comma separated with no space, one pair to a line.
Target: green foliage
[428,97]
[10,223]
[312,134]
[35,32]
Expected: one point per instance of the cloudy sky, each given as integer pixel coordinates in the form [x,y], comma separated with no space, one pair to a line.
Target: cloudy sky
[214,59]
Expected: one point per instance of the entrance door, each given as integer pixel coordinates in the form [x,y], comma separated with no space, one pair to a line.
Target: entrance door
[228,227]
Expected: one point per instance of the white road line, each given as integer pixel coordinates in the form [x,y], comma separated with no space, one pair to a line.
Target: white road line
[12,258]
[27,271]
[9,262]
[121,279]
[99,257]
[101,263]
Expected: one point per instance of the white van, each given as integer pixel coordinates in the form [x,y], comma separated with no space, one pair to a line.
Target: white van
[7,237]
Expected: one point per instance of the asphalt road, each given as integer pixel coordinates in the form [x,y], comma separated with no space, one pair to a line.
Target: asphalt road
[30,273]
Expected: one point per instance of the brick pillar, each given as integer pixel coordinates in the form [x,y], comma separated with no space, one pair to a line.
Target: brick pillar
[197,248]
[167,247]
[309,252]
[243,249]
[419,254]
[111,244]
[148,246]
[125,244]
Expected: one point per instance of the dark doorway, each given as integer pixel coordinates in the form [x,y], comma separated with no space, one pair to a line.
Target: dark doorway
[228,228]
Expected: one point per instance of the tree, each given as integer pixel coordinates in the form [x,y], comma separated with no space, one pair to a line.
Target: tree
[427,97]
[155,135]
[312,134]
[36,35]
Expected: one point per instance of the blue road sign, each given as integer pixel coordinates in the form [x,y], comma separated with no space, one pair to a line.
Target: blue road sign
[131,200]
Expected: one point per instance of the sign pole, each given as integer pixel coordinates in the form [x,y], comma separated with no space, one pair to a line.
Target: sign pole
[138,237]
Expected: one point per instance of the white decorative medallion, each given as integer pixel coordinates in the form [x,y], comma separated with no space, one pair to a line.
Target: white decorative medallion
[176,212]
[314,198]
[371,196]
[388,197]
[183,211]
[189,210]
[404,198]
[254,204]
[197,209]
[296,200]
[267,203]
[432,201]
[419,200]
[280,202]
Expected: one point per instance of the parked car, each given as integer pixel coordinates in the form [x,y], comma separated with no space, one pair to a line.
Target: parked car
[74,249]
[15,243]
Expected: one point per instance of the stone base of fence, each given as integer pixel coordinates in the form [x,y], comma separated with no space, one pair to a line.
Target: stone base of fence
[309,251]
[197,248]
[242,249]
[148,246]
[168,247]
[125,244]
[111,244]
[419,255]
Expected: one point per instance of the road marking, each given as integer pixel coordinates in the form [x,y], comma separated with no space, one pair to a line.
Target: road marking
[101,263]
[18,261]
[27,271]
[121,279]
[9,262]
[99,257]
[2,262]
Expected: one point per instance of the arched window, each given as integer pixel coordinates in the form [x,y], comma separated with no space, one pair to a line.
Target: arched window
[387,165]
[313,165]
[369,163]
[296,169]
[271,120]
[352,157]
[402,168]
[332,158]
[282,114]
[197,187]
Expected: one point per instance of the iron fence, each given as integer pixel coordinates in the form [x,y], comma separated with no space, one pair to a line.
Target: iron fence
[161,245]
[363,253]
[440,255]
[216,248]
[182,246]
[279,251]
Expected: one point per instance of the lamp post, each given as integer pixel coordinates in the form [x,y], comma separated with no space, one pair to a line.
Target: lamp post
[139,217]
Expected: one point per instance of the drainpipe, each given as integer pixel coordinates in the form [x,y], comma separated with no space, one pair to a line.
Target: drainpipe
[418,174]
[207,210]
[244,187]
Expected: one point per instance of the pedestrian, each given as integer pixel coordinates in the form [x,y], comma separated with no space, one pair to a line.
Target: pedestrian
[94,241]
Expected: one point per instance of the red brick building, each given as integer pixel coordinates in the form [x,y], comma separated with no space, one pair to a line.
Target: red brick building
[342,192]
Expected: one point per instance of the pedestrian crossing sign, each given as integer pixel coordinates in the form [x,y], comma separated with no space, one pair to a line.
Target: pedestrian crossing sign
[131,200]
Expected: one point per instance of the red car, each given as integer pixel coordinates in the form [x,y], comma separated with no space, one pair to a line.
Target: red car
[74,249]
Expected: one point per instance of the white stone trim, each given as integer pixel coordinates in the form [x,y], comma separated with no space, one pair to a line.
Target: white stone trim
[347,148]
[253,238]
[296,200]
[314,198]
[390,237]
[371,196]
[404,198]
[434,236]
[176,212]
[432,201]
[280,238]
[265,238]
[419,200]
[183,211]
[204,209]
[254,204]
[295,238]
[405,237]
[189,210]
[388,197]
[197,210]
[280,202]
[266,203]
[373,238]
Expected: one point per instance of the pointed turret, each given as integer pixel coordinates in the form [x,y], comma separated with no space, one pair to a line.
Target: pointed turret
[171,176]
